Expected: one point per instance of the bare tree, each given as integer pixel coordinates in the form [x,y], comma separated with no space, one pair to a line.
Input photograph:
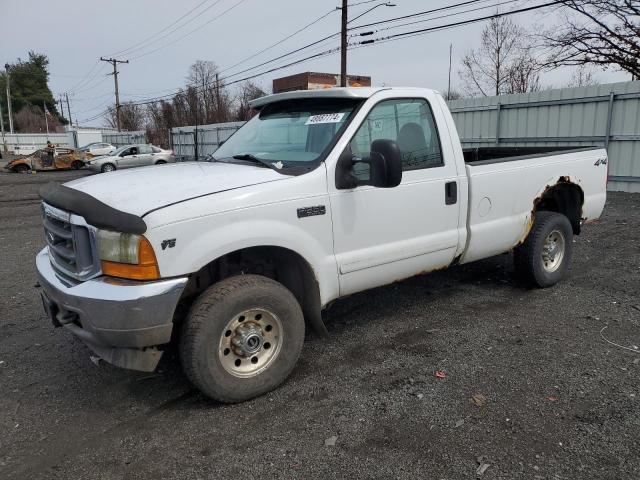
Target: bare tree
[248,91]
[582,77]
[31,119]
[599,32]
[214,102]
[503,63]
[132,117]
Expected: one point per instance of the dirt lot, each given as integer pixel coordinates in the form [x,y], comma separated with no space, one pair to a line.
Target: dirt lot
[531,388]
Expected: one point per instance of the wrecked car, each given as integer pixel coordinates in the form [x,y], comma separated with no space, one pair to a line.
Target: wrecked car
[63,158]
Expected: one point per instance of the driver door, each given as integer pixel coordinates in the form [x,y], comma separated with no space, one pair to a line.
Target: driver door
[129,158]
[382,235]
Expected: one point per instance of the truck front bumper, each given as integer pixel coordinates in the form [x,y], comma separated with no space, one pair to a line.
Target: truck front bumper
[120,320]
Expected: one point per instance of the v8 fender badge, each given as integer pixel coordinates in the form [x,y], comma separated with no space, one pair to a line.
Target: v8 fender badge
[311,211]
[171,242]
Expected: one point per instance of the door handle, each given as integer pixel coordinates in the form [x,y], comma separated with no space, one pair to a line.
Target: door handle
[450,193]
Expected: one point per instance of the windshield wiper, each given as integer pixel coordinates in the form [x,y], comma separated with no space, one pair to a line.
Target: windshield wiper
[254,159]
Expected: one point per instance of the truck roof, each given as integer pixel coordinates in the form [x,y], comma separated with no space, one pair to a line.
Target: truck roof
[338,92]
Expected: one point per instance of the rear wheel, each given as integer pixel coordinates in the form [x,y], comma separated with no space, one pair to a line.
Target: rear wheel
[543,259]
[108,167]
[242,338]
[160,162]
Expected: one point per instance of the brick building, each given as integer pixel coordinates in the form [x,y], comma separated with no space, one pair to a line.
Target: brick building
[316,81]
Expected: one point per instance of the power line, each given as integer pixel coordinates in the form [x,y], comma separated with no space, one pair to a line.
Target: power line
[431,19]
[307,46]
[418,14]
[321,17]
[171,32]
[83,78]
[463,22]
[366,43]
[165,28]
[190,32]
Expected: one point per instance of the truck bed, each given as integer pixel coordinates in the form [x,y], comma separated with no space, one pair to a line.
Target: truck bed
[505,183]
[488,155]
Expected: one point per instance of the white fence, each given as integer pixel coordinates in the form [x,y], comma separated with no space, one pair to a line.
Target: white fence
[26,143]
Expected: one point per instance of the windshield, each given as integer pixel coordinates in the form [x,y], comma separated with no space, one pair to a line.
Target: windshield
[295,132]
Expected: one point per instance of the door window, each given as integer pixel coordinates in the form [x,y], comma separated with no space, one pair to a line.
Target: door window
[143,149]
[410,123]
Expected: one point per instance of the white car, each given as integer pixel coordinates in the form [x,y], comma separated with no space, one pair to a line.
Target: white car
[97,148]
[321,195]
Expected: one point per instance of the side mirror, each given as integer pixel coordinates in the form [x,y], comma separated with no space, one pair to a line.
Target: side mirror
[385,166]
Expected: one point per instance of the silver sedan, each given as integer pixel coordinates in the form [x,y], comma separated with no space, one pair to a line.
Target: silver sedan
[130,156]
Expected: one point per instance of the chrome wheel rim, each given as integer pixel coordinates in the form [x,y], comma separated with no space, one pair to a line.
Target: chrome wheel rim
[108,168]
[553,251]
[250,342]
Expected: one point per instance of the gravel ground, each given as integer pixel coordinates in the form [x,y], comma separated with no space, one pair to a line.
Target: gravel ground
[531,388]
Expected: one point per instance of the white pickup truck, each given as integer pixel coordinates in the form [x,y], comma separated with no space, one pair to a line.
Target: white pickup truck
[321,195]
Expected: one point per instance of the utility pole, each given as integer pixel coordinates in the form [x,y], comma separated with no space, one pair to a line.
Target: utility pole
[69,111]
[6,69]
[61,107]
[4,143]
[343,46]
[114,62]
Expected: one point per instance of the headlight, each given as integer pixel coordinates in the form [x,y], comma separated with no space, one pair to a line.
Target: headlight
[127,255]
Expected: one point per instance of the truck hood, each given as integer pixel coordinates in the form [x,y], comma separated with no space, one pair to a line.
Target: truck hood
[141,190]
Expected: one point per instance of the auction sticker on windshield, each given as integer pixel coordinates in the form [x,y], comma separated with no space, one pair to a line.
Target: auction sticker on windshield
[325,118]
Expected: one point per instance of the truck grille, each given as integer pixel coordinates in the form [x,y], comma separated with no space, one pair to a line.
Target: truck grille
[71,243]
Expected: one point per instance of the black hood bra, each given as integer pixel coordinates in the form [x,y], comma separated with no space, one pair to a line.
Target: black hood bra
[94,211]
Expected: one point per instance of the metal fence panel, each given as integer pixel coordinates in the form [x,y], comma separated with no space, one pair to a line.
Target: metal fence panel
[120,139]
[38,140]
[602,115]
[208,138]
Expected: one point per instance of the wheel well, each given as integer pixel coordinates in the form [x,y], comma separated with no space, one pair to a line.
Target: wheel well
[278,263]
[564,197]
[20,166]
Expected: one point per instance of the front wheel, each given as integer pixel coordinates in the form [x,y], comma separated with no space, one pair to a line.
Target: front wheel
[21,168]
[108,167]
[160,162]
[77,165]
[242,338]
[543,259]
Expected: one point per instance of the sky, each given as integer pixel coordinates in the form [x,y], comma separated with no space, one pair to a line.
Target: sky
[160,45]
